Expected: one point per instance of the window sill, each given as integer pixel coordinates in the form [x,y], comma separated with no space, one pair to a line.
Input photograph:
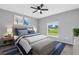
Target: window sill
[53,36]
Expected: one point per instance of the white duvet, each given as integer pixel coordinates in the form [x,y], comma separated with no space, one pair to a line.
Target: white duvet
[43,47]
[41,44]
[35,38]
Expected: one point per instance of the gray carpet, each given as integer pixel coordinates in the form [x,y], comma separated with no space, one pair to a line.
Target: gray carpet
[6,50]
[68,50]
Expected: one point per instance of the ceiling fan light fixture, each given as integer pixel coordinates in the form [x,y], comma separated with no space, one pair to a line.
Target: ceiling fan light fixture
[39,9]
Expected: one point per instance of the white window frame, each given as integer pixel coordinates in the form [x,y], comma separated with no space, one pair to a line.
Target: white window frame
[51,35]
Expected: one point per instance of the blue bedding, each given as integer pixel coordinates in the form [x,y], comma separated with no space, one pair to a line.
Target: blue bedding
[59,49]
[30,35]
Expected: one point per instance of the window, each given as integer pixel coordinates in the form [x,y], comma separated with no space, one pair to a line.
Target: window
[53,29]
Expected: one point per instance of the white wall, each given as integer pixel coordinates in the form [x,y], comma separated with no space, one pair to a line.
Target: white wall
[67,21]
[7,18]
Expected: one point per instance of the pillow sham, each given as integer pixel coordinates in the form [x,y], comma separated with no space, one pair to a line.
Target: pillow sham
[21,31]
[31,30]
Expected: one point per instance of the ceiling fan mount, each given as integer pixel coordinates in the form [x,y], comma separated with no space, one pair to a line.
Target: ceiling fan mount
[40,8]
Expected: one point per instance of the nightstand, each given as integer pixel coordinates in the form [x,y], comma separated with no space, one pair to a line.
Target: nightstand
[6,40]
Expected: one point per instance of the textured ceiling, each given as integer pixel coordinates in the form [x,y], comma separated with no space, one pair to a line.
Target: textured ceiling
[26,10]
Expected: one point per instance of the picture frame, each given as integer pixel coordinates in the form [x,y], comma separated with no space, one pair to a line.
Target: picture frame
[18,20]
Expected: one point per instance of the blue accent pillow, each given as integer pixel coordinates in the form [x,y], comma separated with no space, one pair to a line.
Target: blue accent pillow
[21,31]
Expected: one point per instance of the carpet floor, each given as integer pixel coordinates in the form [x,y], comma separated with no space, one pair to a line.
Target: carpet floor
[68,50]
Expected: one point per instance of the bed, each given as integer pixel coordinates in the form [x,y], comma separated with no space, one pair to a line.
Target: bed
[36,43]
[40,44]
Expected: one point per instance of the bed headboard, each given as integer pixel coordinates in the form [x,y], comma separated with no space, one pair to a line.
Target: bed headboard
[30,29]
[18,27]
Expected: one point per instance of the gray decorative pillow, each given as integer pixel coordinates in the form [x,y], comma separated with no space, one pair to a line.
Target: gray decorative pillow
[30,30]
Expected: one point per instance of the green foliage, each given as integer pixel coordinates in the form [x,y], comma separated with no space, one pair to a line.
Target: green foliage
[76,31]
[53,31]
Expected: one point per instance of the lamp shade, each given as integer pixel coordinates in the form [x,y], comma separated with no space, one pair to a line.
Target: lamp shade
[9,30]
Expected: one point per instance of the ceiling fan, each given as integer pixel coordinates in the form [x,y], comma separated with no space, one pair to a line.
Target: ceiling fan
[39,8]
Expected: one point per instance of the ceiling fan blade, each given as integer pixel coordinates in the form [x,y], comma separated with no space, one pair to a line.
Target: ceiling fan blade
[40,12]
[33,7]
[44,9]
[35,11]
[41,5]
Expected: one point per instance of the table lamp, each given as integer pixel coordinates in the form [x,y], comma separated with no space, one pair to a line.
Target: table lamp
[9,31]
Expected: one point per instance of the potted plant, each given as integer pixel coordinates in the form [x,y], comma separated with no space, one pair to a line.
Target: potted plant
[76,32]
